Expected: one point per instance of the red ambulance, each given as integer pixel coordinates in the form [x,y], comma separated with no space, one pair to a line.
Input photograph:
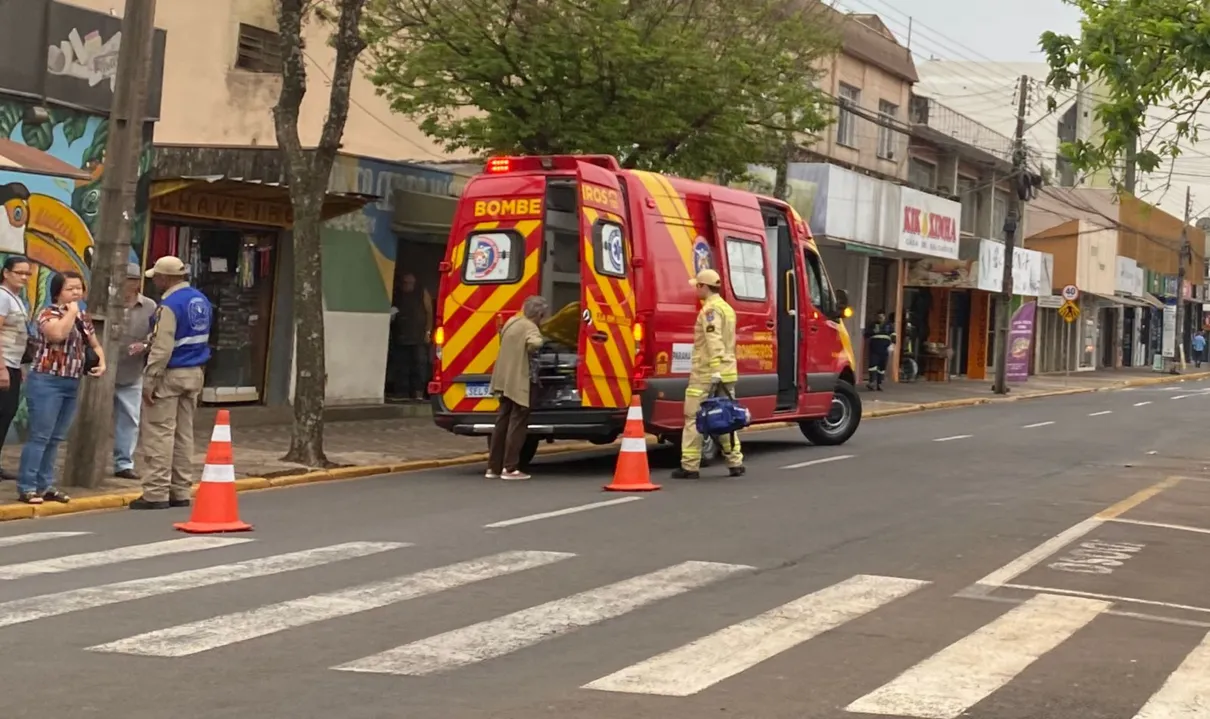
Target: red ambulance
[613,251]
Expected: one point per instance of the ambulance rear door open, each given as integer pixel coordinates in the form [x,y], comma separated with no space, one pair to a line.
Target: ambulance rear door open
[607,305]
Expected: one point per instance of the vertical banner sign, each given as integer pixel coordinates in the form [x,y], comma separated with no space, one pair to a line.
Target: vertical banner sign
[1169,341]
[1020,343]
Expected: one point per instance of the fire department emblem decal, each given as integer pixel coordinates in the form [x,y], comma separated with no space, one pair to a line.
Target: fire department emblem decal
[611,249]
[703,258]
[485,256]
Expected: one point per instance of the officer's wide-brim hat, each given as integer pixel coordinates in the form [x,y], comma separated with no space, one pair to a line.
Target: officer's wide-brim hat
[169,266]
[710,278]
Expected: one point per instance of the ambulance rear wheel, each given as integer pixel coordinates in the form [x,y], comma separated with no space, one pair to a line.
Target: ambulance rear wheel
[529,450]
[842,419]
[711,450]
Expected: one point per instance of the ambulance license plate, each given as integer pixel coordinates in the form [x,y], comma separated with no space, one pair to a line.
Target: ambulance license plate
[478,390]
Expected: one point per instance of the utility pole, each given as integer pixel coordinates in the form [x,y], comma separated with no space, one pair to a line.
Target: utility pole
[89,449]
[1178,341]
[1011,222]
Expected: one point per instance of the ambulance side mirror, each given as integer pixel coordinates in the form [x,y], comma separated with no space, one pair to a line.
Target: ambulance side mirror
[841,303]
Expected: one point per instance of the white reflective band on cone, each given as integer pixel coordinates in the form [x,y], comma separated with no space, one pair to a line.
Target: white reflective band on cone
[221,433]
[632,444]
[218,473]
[635,412]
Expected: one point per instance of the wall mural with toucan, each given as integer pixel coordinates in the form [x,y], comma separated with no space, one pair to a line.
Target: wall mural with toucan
[50,195]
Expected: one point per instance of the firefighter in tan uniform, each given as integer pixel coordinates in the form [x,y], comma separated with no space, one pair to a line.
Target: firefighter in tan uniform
[713,366]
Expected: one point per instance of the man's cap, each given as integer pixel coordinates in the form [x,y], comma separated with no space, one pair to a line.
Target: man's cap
[132,271]
[169,266]
[710,278]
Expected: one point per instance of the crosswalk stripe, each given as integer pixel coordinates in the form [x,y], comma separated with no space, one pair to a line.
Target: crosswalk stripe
[37,537]
[116,556]
[19,611]
[207,634]
[953,680]
[512,632]
[1186,693]
[708,661]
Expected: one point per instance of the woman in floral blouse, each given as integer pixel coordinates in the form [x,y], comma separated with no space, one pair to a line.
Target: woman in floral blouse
[64,330]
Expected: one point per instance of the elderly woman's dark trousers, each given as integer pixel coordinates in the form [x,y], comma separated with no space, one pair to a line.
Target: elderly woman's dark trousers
[508,437]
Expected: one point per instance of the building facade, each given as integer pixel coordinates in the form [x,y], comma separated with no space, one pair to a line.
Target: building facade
[221,75]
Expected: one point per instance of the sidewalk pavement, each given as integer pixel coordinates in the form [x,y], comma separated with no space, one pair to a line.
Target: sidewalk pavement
[399,440]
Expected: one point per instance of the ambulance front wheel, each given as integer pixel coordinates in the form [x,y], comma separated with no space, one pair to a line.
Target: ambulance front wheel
[842,419]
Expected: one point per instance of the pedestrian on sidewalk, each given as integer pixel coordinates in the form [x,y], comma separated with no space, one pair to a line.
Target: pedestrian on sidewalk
[1199,348]
[64,332]
[880,336]
[14,341]
[511,381]
[138,311]
[172,384]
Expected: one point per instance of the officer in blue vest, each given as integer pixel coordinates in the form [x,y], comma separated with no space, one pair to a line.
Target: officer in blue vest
[172,384]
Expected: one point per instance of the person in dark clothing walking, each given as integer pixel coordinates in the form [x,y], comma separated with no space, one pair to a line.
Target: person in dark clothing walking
[880,336]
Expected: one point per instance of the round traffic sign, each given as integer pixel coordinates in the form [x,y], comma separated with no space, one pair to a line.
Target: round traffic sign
[1071,293]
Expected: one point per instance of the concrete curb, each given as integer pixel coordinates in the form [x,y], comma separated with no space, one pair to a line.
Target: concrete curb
[251,484]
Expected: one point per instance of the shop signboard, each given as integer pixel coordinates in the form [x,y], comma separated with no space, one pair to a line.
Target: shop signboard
[1020,342]
[68,55]
[1028,270]
[929,224]
[1168,345]
[1129,281]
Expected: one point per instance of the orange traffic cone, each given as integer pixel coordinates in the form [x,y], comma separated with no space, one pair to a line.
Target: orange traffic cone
[633,474]
[215,508]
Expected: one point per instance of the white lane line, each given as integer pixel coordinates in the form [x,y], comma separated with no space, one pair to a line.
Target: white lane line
[19,611]
[37,537]
[1140,404]
[951,439]
[561,512]
[1115,598]
[813,462]
[1181,396]
[1037,424]
[507,634]
[703,663]
[1034,557]
[116,556]
[1098,414]
[1127,389]
[186,639]
[1161,525]
[1186,693]
[950,682]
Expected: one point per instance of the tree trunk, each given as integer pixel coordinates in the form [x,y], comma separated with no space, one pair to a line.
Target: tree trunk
[308,172]
[310,379]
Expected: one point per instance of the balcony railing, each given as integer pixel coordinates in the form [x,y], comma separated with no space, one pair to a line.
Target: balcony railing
[927,112]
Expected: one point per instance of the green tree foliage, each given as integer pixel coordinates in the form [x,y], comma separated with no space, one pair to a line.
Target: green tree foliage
[693,87]
[1139,54]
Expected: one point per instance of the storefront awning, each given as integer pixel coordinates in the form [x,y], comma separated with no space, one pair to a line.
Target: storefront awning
[1119,299]
[423,212]
[254,191]
[22,158]
[1153,301]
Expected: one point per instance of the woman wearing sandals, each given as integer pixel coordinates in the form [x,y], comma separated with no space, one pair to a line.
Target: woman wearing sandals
[63,333]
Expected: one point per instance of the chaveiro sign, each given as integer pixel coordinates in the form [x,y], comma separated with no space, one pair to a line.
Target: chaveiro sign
[930,224]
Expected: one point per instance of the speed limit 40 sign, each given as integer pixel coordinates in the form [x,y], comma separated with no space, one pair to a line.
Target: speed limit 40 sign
[1071,293]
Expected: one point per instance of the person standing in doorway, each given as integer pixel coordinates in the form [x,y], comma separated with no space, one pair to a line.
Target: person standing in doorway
[137,314]
[511,382]
[1199,348]
[14,338]
[413,329]
[172,384]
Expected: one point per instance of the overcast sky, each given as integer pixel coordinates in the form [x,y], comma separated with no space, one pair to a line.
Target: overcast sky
[973,29]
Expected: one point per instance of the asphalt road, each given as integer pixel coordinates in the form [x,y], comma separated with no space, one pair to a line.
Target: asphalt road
[1024,560]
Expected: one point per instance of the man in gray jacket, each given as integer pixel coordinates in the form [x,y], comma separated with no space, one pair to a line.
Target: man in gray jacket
[128,387]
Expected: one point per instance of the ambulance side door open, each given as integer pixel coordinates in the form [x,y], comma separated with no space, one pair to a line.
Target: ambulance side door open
[821,338]
[607,311]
